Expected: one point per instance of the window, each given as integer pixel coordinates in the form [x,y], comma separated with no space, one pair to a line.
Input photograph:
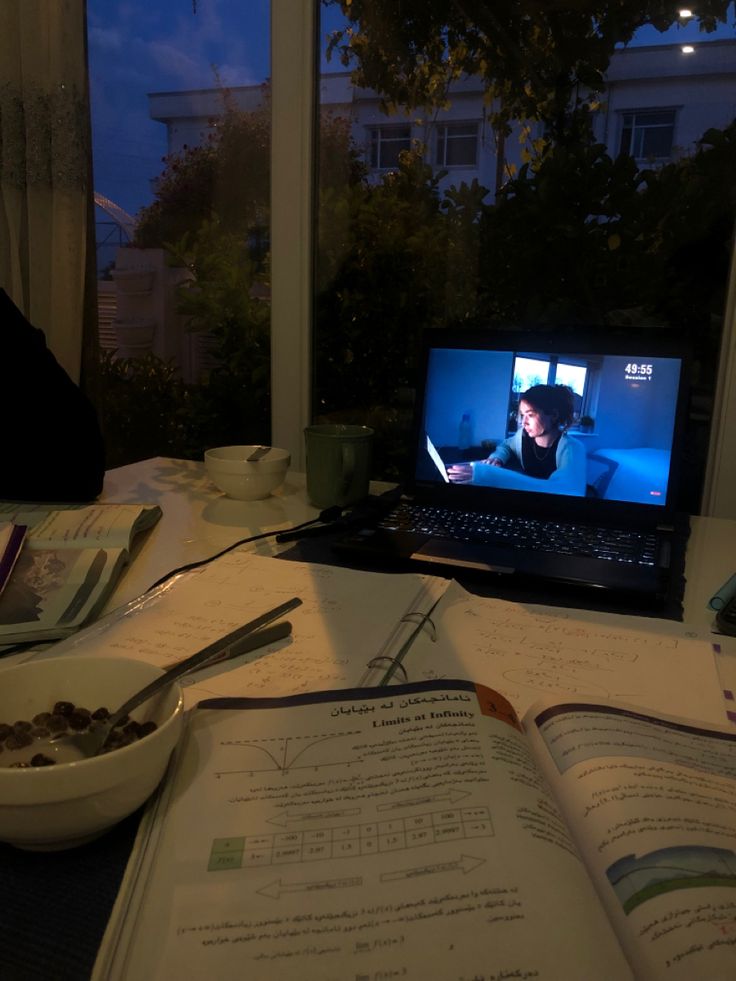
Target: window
[534,371]
[567,241]
[387,142]
[182,166]
[457,145]
[648,134]
[529,371]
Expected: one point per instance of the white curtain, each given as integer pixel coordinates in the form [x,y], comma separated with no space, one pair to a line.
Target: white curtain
[44,167]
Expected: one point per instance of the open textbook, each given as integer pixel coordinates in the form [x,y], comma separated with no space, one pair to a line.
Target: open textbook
[68,564]
[421,832]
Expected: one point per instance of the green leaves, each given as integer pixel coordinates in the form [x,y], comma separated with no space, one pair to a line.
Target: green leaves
[534,59]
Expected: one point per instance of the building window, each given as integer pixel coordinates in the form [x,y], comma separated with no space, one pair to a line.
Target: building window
[387,142]
[457,145]
[648,134]
[529,371]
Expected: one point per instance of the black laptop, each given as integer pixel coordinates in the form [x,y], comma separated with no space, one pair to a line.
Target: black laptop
[602,515]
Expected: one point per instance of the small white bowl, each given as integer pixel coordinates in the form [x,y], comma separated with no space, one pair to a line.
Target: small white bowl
[53,807]
[246,480]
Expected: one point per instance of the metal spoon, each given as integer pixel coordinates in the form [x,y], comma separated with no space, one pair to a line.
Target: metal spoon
[91,742]
[257,453]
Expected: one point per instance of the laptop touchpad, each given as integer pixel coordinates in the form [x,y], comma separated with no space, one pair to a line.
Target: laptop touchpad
[447,552]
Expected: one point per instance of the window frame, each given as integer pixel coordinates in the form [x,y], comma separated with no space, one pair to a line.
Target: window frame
[442,139]
[637,131]
[380,134]
[294,33]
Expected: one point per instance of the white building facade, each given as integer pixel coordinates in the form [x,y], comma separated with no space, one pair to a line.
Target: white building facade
[658,103]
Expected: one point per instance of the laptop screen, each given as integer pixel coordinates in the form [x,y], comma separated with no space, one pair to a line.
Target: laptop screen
[550,417]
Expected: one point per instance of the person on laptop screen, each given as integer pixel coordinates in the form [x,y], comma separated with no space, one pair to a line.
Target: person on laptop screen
[540,448]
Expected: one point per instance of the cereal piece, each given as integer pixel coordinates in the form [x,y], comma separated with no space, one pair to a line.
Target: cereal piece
[18,740]
[79,719]
[64,717]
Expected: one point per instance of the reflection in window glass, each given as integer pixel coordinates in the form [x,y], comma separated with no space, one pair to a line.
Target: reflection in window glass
[181,158]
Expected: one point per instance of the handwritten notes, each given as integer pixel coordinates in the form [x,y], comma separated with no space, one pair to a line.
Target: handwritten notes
[527,652]
[346,618]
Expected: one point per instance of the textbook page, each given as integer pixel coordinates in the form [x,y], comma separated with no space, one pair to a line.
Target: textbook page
[346,619]
[97,525]
[529,652]
[401,832]
[652,803]
[69,564]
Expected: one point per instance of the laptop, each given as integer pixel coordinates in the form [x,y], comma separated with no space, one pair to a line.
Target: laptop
[602,515]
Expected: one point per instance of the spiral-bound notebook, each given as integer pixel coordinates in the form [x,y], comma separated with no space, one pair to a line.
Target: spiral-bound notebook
[601,512]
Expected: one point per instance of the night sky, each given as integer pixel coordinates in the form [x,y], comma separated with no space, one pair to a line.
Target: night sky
[142,46]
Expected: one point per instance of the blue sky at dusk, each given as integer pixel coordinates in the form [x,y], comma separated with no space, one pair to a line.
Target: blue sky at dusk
[142,46]
[137,47]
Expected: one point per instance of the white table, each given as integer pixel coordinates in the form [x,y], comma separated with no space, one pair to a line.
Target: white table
[198,520]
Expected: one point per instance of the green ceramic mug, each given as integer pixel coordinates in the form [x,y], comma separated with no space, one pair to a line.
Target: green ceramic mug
[338,463]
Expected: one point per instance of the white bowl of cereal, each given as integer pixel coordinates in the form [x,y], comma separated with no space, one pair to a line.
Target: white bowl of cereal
[243,479]
[49,797]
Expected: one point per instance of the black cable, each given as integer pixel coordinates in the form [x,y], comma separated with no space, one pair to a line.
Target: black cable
[328,516]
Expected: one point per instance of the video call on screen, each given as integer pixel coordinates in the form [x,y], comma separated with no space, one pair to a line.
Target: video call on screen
[624,413]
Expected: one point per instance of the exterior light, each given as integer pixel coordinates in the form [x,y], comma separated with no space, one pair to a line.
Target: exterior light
[685,13]
[687,49]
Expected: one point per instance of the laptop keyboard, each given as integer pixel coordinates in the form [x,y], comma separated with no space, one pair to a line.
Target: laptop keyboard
[616,545]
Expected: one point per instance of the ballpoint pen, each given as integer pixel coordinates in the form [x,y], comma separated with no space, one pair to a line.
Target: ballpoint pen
[219,648]
[251,642]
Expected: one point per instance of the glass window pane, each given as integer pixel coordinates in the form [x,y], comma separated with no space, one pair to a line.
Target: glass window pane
[181,159]
[648,135]
[544,226]
[461,147]
[387,143]
[656,141]
[573,375]
[528,372]
[457,144]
